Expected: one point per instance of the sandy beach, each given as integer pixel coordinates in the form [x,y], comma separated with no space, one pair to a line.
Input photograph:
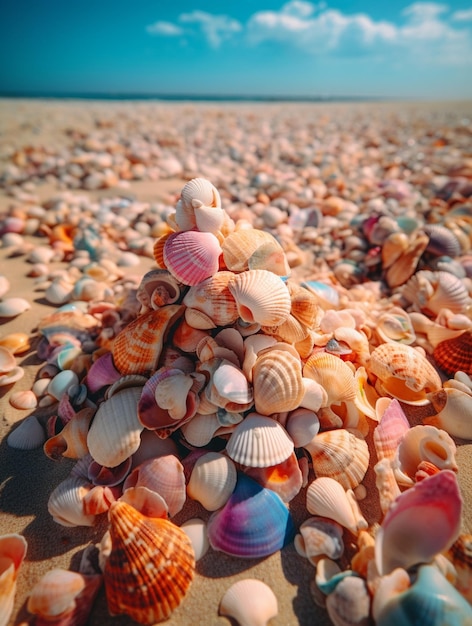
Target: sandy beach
[273,164]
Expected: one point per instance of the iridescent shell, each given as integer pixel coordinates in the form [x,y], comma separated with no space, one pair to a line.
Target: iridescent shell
[403,373]
[150,567]
[261,297]
[212,480]
[250,602]
[253,523]
[455,354]
[254,249]
[423,521]
[277,381]
[13,549]
[339,454]
[191,256]
[137,348]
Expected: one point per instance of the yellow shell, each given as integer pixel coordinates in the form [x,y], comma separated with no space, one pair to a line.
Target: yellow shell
[277,382]
[150,566]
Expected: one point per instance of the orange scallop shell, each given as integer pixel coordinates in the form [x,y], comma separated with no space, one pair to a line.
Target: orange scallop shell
[150,567]
[455,355]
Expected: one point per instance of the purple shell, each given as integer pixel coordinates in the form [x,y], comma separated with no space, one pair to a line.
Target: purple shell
[253,523]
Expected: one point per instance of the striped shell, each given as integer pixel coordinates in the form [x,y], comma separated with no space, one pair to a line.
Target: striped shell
[191,256]
[277,381]
[250,602]
[213,297]
[200,191]
[254,249]
[137,348]
[455,355]
[261,297]
[150,567]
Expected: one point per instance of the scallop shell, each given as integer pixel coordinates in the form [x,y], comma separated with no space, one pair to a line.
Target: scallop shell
[339,454]
[13,549]
[65,503]
[326,497]
[433,291]
[259,441]
[277,381]
[115,431]
[261,297]
[391,428]
[442,241]
[404,373]
[212,480]
[253,523]
[28,435]
[209,219]
[137,348]
[251,249]
[213,297]
[333,374]
[150,567]
[423,521]
[11,307]
[191,256]
[304,305]
[454,355]
[250,602]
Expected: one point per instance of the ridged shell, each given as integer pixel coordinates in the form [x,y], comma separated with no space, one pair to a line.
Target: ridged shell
[404,373]
[277,381]
[433,291]
[200,190]
[13,549]
[326,497]
[250,602]
[454,355]
[341,455]
[391,428]
[115,431]
[28,435]
[150,567]
[254,249]
[261,297]
[333,374]
[259,441]
[158,288]
[442,241]
[65,503]
[54,595]
[213,297]
[212,480]
[137,348]
[191,256]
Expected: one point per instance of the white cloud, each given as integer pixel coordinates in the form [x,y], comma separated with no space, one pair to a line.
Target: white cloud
[216,28]
[167,29]
[462,16]
[298,8]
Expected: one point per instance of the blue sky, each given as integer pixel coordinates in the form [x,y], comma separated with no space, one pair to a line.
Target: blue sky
[261,47]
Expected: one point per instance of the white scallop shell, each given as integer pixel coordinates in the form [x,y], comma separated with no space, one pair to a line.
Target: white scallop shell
[29,435]
[212,481]
[261,297]
[326,497]
[250,602]
[65,503]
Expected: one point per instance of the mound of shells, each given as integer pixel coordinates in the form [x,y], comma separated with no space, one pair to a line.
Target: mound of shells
[223,378]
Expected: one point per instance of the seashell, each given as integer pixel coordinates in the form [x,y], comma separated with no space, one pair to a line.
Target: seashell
[229,386]
[24,399]
[430,599]
[304,306]
[251,249]
[61,382]
[326,497]
[290,331]
[277,381]
[213,297]
[401,540]
[158,288]
[339,454]
[144,500]
[250,602]
[302,425]
[102,476]
[433,291]
[253,344]
[63,596]
[11,307]
[284,478]
[453,407]
[259,441]
[455,354]
[319,537]
[386,483]
[115,431]
[191,256]
[137,348]
[401,264]
[150,567]
[16,343]
[212,480]
[253,523]
[202,191]
[165,476]
[395,325]
[59,291]
[201,429]
[13,549]
[28,435]
[102,373]
[65,503]
[261,297]
[403,373]
[349,603]
[442,241]
[329,575]
[195,529]
[152,446]
[460,554]
[4,285]
[390,430]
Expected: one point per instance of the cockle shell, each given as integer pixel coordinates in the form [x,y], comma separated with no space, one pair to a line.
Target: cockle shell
[259,441]
[28,435]
[455,354]
[13,549]
[304,306]
[253,523]
[250,602]
[11,307]
[403,373]
[191,256]
[277,381]
[261,297]
[454,410]
[212,480]
[433,291]
[421,522]
[250,249]
[137,348]
[319,537]
[326,497]
[339,454]
[213,297]
[150,567]
[65,503]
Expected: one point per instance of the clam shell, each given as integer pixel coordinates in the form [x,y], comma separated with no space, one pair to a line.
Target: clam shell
[339,454]
[326,497]
[213,297]
[253,523]
[28,435]
[277,381]
[250,602]
[65,503]
[195,529]
[24,399]
[423,521]
[191,256]
[11,307]
[259,441]
[150,567]
[212,480]
[13,549]
[137,348]
[16,343]
[455,354]
[261,297]
[250,249]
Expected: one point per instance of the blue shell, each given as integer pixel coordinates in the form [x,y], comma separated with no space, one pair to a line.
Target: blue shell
[253,523]
[431,601]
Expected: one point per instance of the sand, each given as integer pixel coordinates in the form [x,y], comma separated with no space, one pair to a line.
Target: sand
[27,478]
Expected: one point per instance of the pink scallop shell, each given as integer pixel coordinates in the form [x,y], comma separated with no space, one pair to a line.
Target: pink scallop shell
[191,256]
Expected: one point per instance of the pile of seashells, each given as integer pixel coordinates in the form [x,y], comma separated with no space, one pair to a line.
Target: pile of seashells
[238,386]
